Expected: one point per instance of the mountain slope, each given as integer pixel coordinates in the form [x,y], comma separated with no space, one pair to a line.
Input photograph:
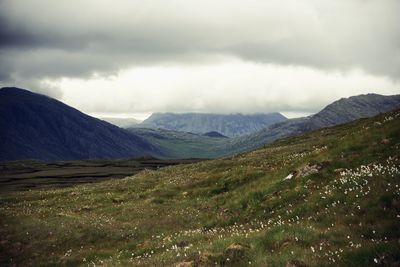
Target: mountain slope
[355,107]
[328,198]
[35,126]
[339,112]
[229,125]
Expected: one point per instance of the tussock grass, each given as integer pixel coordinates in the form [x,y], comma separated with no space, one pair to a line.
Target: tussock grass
[347,214]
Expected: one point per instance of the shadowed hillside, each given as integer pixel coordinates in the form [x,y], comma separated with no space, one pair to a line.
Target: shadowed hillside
[35,126]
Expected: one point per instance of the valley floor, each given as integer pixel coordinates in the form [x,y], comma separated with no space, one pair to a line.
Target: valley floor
[328,198]
[28,175]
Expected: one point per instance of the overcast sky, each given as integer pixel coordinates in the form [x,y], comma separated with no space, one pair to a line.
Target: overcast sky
[124,57]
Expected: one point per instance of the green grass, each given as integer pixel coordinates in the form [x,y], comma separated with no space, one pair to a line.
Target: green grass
[183,145]
[347,217]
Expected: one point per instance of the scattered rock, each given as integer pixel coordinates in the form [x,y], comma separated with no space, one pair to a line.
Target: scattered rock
[185,194]
[296,263]
[310,169]
[185,264]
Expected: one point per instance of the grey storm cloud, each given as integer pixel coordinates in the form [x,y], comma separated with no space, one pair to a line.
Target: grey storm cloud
[52,39]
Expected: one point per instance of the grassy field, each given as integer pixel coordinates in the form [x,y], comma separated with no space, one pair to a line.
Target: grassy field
[328,198]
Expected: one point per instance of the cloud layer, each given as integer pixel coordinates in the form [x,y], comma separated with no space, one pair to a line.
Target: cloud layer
[44,42]
[230,87]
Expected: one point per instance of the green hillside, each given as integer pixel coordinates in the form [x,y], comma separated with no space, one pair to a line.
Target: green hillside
[183,145]
[328,198]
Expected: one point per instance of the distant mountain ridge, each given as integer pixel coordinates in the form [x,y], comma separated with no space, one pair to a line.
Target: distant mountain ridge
[355,107]
[339,112]
[230,125]
[35,126]
[186,145]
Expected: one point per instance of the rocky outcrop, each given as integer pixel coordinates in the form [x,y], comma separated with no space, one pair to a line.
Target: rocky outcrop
[307,170]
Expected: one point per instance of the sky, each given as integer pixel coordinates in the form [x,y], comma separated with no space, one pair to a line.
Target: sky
[126,58]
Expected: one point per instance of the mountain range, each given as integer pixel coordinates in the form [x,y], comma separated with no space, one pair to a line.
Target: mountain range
[230,125]
[35,126]
[178,145]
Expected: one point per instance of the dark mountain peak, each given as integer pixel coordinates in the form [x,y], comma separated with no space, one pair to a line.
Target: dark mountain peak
[35,126]
[13,89]
[215,134]
[14,94]
[21,93]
